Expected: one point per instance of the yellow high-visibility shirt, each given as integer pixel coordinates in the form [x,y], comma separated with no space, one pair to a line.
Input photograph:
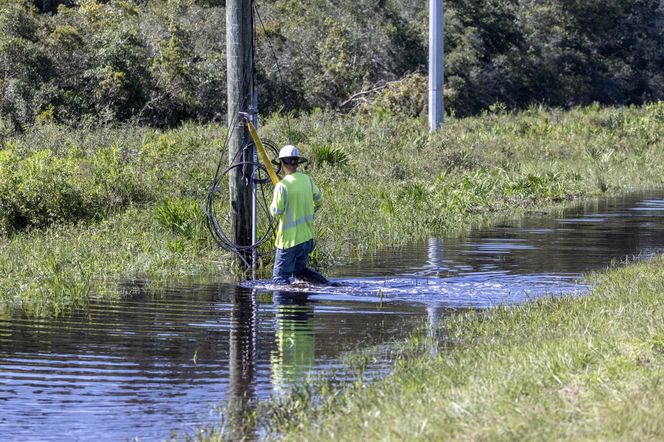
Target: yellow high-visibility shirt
[294,202]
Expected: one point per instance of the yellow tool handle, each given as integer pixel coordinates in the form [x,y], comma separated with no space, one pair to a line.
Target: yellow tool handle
[262,153]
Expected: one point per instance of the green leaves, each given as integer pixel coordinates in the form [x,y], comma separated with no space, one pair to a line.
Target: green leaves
[333,156]
[164,62]
[183,217]
[102,173]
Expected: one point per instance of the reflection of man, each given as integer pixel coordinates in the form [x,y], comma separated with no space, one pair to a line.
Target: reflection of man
[294,202]
[295,354]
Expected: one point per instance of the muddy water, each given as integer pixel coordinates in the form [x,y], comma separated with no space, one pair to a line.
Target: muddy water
[156,362]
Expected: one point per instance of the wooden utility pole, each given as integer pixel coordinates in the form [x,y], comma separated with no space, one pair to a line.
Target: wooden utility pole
[240,65]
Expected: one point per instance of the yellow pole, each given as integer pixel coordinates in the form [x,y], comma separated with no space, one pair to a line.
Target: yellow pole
[262,153]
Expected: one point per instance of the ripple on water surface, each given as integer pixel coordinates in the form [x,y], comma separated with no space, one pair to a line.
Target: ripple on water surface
[149,364]
[157,360]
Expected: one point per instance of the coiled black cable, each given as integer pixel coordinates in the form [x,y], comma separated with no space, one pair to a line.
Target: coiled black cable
[218,221]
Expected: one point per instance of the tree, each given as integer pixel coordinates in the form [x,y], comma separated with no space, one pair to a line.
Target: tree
[23,65]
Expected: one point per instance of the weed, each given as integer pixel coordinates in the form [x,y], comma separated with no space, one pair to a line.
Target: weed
[331,155]
[183,217]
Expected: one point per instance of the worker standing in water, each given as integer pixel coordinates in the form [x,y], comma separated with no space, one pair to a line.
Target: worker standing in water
[294,202]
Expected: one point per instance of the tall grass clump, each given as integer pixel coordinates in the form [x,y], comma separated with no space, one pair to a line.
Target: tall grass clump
[185,219]
[333,156]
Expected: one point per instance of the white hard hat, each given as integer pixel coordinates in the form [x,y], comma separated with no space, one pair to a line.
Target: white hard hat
[290,151]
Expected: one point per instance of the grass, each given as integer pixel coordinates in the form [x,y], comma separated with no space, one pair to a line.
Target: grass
[49,272]
[574,368]
[80,208]
[398,182]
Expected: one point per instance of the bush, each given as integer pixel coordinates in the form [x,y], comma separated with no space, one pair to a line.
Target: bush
[183,217]
[124,60]
[51,176]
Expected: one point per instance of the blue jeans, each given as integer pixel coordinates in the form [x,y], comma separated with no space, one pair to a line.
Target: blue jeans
[292,262]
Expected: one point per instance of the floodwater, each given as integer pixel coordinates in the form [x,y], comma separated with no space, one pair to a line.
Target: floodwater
[157,362]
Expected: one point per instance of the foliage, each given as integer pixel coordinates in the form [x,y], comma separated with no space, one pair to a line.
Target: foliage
[93,61]
[184,218]
[555,52]
[332,155]
[72,179]
[407,96]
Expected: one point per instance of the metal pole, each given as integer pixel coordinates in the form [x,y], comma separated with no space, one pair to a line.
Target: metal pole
[239,48]
[436,64]
[254,189]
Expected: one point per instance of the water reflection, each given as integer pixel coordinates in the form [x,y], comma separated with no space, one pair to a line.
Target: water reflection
[294,355]
[435,313]
[434,257]
[242,369]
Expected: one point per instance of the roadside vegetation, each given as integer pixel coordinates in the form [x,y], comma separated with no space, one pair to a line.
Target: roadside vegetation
[572,368]
[160,63]
[82,208]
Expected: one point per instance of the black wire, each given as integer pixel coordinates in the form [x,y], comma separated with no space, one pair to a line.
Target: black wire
[216,231]
[224,149]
